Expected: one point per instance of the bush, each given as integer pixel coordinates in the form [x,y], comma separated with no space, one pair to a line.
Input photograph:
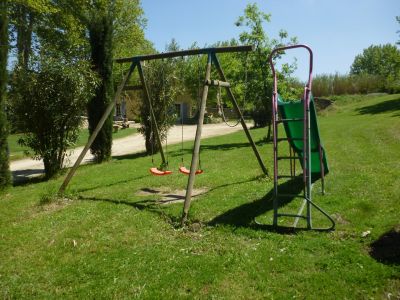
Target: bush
[163,89]
[328,85]
[259,117]
[47,103]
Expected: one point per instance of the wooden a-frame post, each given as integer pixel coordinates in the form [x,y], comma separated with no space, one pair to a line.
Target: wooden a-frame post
[212,58]
[135,64]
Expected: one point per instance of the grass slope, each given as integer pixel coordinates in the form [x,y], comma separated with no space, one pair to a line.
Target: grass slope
[112,242]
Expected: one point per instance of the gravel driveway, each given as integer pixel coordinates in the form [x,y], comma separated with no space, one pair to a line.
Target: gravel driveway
[24,168]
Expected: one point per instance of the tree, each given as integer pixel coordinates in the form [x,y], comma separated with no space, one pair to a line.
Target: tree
[48,101]
[5,177]
[24,18]
[382,61]
[102,20]
[100,36]
[23,21]
[398,31]
[260,84]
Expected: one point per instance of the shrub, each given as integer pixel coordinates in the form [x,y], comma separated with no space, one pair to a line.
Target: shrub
[163,88]
[327,85]
[47,103]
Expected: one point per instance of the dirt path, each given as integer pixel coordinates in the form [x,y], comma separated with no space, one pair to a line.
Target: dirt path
[24,168]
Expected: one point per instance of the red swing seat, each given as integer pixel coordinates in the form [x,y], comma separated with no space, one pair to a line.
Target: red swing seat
[158,172]
[185,171]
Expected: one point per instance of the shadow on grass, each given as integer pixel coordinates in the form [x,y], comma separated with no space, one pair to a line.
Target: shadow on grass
[386,249]
[145,204]
[240,217]
[110,184]
[382,107]
[244,215]
[150,204]
[130,156]
[30,176]
[156,206]
[22,177]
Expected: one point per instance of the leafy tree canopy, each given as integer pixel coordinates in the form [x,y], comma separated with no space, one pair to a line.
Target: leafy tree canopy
[381,60]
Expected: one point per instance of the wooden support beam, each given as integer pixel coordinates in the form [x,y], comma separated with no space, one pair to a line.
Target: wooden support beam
[96,131]
[245,48]
[196,147]
[239,113]
[217,83]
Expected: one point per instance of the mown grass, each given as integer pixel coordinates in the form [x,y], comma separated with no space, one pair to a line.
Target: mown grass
[17,151]
[108,239]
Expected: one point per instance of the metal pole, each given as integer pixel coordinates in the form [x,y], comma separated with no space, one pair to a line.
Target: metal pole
[275,145]
[321,163]
[196,148]
[96,131]
[308,149]
[239,113]
[152,116]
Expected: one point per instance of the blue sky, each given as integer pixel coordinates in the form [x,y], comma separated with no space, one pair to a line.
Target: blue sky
[336,30]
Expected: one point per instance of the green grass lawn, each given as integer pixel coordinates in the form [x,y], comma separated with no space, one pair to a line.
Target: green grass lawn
[18,152]
[111,237]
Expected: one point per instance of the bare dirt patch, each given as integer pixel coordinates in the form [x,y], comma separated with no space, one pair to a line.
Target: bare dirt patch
[169,197]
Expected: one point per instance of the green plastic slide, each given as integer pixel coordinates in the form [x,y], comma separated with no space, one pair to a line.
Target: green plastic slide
[294,110]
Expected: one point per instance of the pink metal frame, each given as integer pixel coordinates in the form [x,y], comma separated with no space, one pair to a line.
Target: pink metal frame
[306,133]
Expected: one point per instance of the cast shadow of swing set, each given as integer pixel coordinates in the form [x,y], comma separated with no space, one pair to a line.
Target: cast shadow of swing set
[244,216]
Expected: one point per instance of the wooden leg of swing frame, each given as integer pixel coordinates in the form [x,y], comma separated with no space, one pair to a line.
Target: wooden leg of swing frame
[196,148]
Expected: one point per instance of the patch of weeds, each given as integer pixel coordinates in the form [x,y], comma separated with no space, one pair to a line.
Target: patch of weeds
[262,178]
[48,198]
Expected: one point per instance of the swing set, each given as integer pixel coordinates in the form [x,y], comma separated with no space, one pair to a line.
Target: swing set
[163,169]
[298,117]
[137,62]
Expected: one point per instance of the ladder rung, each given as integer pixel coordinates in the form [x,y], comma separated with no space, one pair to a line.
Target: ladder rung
[285,176]
[291,215]
[287,157]
[290,120]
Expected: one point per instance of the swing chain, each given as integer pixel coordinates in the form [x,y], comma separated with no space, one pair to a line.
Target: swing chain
[164,165]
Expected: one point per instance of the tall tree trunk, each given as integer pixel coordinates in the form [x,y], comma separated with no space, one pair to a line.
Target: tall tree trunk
[24,27]
[100,33]
[5,176]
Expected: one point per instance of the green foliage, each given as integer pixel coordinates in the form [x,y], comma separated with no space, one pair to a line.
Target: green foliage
[5,177]
[100,34]
[22,21]
[48,102]
[259,76]
[162,79]
[382,60]
[328,85]
[107,23]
